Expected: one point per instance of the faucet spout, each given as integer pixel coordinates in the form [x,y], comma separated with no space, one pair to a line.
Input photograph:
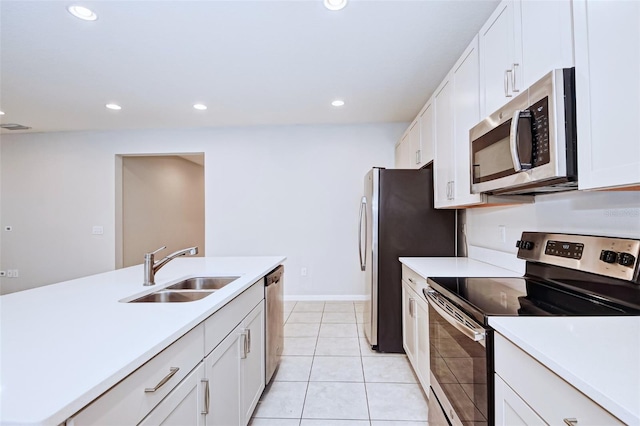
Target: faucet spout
[151,266]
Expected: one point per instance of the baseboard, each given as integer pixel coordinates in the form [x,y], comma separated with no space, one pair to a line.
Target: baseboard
[325,298]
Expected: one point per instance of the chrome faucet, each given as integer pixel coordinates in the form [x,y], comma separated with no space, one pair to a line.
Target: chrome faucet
[151,267]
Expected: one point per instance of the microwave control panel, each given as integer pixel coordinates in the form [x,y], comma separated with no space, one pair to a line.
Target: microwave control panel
[540,131]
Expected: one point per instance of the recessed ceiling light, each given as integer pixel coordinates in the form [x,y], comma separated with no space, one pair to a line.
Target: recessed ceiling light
[115,107]
[200,107]
[83,13]
[337,103]
[335,4]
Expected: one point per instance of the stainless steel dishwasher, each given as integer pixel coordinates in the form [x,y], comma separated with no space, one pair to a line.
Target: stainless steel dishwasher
[274,292]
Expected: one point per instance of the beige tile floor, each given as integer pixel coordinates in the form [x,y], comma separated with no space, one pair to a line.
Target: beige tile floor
[328,375]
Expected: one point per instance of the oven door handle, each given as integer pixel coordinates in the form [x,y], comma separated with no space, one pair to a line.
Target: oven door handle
[518,165]
[477,334]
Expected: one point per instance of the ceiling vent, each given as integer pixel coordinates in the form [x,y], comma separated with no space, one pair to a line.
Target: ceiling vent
[14,126]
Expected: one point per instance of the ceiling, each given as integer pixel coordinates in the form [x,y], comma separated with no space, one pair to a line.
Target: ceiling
[251,62]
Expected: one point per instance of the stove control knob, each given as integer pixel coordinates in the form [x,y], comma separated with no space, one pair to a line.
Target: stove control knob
[626,259]
[525,245]
[608,256]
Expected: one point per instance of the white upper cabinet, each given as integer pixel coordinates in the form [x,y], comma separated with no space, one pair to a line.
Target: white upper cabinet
[607,52]
[500,57]
[402,153]
[521,42]
[457,109]
[415,146]
[426,134]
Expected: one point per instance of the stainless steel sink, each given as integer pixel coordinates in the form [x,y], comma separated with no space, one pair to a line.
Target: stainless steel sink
[169,296]
[203,283]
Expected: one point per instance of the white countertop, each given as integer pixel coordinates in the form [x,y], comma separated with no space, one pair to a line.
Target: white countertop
[454,267]
[600,356]
[63,345]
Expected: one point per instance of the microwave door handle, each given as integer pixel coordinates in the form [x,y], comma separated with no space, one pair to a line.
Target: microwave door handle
[513,141]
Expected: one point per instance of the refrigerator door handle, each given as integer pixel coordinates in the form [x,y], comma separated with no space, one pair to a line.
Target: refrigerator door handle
[363,259]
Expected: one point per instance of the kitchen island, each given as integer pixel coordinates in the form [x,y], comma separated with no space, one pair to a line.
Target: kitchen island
[64,345]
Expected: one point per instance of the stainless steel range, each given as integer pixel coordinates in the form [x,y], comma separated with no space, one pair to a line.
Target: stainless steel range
[566,275]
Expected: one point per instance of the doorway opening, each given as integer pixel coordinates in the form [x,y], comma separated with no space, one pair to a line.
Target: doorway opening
[159,202]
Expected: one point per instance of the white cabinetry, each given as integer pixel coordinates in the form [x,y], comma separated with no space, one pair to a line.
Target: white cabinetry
[427,129]
[134,397]
[522,41]
[177,388]
[185,405]
[520,376]
[457,109]
[415,325]
[402,153]
[607,50]
[235,369]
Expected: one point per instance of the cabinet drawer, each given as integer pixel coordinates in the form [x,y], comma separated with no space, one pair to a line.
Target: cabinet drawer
[132,399]
[413,280]
[221,323]
[546,393]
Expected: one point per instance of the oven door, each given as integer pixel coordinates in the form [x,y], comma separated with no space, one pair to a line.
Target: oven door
[461,374]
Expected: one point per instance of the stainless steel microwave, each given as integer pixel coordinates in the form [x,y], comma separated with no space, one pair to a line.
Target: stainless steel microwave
[529,145]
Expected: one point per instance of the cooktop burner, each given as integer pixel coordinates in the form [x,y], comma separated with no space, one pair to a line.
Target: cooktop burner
[571,275]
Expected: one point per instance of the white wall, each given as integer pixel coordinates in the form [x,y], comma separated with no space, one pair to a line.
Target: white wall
[286,190]
[612,213]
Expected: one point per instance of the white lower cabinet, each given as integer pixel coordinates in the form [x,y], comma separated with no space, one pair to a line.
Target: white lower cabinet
[528,393]
[235,370]
[415,325]
[185,405]
[176,387]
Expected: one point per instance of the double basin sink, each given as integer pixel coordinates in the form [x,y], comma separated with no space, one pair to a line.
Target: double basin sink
[187,290]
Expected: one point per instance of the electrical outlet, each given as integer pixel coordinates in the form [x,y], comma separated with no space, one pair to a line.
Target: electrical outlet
[303,272]
[9,273]
[97,230]
[15,273]
[503,233]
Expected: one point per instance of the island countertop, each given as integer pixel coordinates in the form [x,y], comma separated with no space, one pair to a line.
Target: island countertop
[63,345]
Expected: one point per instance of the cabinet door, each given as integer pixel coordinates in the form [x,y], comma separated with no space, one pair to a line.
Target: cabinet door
[408,324]
[426,134]
[444,148]
[184,405]
[402,153]
[466,106]
[422,342]
[498,44]
[511,410]
[607,50]
[253,367]
[415,145]
[548,46]
[223,372]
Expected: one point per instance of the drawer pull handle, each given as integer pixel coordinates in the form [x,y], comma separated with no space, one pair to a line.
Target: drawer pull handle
[206,396]
[172,372]
[571,421]
[411,280]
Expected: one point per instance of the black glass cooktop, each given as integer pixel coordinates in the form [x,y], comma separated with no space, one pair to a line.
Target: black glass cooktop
[539,296]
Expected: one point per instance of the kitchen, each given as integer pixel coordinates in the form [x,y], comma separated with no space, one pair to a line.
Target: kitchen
[311,172]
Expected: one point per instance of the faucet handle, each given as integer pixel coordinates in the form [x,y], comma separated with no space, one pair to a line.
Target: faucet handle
[154,252]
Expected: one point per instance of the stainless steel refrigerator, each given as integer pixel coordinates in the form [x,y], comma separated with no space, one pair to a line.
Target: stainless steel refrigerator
[397,219]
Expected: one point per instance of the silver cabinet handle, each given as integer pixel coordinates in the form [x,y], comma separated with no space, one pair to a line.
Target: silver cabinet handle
[418,156]
[243,355]
[411,280]
[514,88]
[172,372]
[570,421]
[411,307]
[248,331]
[205,410]
[506,83]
